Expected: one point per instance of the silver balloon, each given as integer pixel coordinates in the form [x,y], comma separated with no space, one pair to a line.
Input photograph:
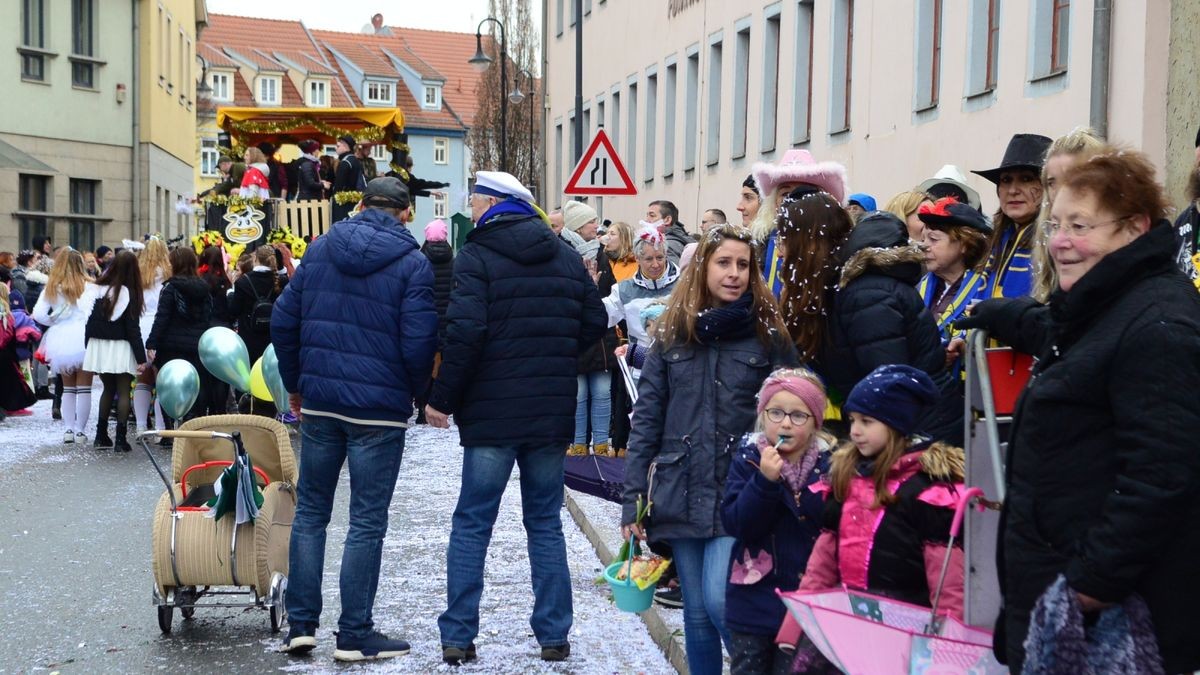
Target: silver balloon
[224,354]
[270,371]
[178,385]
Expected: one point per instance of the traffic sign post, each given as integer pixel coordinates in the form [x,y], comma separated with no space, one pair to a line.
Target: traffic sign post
[600,171]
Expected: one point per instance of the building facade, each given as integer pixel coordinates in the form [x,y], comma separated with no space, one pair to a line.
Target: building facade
[700,90]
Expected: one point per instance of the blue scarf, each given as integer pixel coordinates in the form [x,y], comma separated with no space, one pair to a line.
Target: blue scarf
[510,205]
[731,322]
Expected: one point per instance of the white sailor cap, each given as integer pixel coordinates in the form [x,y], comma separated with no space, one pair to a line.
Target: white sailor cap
[500,184]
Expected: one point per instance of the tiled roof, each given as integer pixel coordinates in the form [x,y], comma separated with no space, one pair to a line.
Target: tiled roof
[215,57]
[448,53]
[363,50]
[245,33]
[256,58]
[301,61]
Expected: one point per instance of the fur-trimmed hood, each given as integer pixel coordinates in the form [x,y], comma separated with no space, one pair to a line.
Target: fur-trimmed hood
[906,263]
[944,462]
[33,276]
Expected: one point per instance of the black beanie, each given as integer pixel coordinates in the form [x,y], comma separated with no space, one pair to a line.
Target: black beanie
[749,183]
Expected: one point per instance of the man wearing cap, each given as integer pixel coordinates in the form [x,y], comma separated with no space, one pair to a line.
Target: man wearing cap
[355,331]
[1019,187]
[522,309]
[858,204]
[950,181]
[348,178]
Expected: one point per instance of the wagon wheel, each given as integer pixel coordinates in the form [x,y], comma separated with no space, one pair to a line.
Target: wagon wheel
[189,595]
[165,613]
[278,610]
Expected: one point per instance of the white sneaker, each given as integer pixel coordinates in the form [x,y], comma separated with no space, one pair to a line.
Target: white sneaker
[68,436]
[80,438]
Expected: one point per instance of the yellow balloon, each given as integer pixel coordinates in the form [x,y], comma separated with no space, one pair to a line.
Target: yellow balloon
[258,385]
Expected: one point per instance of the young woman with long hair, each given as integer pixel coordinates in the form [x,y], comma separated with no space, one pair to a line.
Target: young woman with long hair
[719,338]
[115,350]
[261,284]
[184,313]
[64,305]
[212,271]
[155,269]
[1064,152]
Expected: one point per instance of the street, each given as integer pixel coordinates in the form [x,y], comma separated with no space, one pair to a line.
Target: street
[75,580]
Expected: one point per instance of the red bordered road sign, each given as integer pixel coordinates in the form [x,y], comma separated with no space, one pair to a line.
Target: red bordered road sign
[600,171]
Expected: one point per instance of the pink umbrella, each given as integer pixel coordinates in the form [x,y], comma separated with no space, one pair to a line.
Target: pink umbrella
[867,634]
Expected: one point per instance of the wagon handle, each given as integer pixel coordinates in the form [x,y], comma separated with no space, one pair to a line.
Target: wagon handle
[175,433]
[960,510]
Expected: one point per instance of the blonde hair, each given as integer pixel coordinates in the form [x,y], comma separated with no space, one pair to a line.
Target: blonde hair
[1081,141]
[904,204]
[68,278]
[624,234]
[153,263]
[677,325]
[254,156]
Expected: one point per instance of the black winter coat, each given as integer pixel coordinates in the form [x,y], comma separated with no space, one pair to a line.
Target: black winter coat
[522,307]
[695,402]
[308,173]
[441,257]
[599,356]
[878,318]
[348,178]
[1103,473]
[241,304]
[184,313]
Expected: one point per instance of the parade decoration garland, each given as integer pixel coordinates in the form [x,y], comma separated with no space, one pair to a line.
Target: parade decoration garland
[283,235]
[207,238]
[347,197]
[364,135]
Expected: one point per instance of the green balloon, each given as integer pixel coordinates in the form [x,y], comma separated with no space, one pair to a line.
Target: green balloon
[178,385]
[225,356]
[270,371]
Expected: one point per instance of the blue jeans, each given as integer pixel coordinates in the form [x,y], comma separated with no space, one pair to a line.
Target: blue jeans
[485,474]
[374,453]
[703,566]
[598,388]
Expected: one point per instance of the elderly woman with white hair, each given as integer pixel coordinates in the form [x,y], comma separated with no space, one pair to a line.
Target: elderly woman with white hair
[654,279]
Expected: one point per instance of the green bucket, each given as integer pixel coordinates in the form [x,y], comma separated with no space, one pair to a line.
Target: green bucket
[628,596]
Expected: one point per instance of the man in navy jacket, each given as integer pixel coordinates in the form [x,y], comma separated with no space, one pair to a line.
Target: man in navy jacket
[523,305]
[355,331]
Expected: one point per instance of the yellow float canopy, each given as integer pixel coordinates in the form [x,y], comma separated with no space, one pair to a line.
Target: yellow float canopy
[251,126]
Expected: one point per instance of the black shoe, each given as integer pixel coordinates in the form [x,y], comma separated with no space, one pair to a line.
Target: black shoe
[374,646]
[43,393]
[103,440]
[556,652]
[457,656]
[56,413]
[670,597]
[122,445]
[299,641]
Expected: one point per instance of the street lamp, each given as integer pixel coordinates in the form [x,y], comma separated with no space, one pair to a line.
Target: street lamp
[516,97]
[480,62]
[203,91]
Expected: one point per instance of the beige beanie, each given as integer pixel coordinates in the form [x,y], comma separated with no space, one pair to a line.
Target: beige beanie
[577,214]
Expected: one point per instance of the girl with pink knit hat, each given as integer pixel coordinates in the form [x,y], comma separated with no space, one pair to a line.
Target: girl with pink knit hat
[773,514]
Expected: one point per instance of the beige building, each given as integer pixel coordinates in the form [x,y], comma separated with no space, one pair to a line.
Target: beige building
[694,92]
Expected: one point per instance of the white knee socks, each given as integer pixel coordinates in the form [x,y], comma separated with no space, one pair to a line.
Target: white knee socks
[160,422]
[83,408]
[67,406]
[141,404]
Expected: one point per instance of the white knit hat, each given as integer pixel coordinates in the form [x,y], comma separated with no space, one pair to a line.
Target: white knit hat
[577,214]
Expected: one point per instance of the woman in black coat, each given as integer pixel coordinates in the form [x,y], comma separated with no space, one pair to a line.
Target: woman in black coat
[261,286]
[441,257]
[1102,472]
[184,313]
[349,177]
[308,172]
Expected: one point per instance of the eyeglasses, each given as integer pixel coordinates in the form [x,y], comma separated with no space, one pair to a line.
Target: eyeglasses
[798,418]
[1076,230]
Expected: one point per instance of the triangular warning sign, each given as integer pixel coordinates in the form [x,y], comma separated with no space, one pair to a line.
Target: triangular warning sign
[600,171]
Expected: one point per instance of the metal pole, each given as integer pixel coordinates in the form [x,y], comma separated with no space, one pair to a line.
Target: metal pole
[578,80]
[1101,54]
[503,99]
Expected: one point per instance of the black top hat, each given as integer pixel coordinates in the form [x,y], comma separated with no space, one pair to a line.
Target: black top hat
[1024,151]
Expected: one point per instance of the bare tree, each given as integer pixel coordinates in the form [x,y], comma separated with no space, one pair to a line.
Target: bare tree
[524,158]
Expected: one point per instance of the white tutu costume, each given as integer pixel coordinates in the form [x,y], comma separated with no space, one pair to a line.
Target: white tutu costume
[150,306]
[111,356]
[63,343]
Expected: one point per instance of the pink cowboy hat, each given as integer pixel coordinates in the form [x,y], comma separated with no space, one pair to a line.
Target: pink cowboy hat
[798,166]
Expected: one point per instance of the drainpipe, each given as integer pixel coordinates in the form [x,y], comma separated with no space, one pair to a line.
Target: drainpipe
[135,94]
[1101,58]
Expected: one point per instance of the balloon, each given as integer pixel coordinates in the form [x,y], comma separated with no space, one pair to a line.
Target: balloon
[178,385]
[258,386]
[270,371]
[225,356]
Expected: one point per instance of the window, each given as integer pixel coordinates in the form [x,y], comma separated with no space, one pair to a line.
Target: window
[380,153]
[770,102]
[669,117]
[166,56]
[842,62]
[221,91]
[1060,35]
[208,157]
[712,132]
[983,44]
[929,54]
[558,154]
[162,46]
[439,205]
[379,93]
[692,109]
[802,84]
[441,151]
[34,196]
[268,90]
[83,43]
[615,136]
[433,97]
[741,91]
[330,150]
[558,23]
[993,42]
[651,122]
[33,35]
[83,202]
[631,135]
[318,93]
[184,82]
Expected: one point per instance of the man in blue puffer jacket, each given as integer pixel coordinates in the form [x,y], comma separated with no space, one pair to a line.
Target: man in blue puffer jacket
[522,309]
[355,331]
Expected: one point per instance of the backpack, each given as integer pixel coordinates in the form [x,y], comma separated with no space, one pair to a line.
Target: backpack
[260,314]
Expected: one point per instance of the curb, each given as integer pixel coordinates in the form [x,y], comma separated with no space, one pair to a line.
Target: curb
[671,645]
